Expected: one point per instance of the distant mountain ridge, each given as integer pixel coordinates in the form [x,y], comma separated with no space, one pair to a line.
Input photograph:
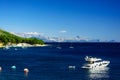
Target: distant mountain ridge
[57,39]
[6,37]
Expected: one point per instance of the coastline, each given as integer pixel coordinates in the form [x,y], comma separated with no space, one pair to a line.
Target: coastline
[23,45]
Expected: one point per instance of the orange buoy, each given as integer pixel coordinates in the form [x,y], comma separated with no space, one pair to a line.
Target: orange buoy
[26,70]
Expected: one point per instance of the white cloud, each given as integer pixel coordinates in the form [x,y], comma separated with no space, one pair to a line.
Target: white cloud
[63,31]
[35,33]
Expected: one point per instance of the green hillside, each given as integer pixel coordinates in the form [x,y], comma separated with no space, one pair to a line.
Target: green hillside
[6,37]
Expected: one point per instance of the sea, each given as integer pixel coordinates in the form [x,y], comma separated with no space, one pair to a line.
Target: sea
[59,61]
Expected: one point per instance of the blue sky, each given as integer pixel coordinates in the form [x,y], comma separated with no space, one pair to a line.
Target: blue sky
[94,19]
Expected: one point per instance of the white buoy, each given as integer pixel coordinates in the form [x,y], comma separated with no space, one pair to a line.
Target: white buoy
[26,70]
[13,67]
[0,68]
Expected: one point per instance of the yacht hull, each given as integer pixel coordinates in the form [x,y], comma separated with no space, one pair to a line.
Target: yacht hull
[96,65]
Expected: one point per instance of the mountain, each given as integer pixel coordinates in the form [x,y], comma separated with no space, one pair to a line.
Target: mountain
[32,35]
[6,37]
[53,39]
[57,39]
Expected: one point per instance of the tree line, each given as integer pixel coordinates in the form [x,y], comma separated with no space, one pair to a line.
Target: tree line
[6,37]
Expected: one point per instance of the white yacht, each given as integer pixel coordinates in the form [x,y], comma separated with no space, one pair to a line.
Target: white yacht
[94,63]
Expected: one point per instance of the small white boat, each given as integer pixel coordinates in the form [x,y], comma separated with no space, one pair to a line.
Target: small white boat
[7,47]
[71,47]
[95,63]
[58,47]
[71,67]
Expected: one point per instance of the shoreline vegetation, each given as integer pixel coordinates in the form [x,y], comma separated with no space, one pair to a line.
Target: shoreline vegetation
[9,39]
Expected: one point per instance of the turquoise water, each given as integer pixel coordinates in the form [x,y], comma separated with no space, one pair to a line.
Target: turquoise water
[51,63]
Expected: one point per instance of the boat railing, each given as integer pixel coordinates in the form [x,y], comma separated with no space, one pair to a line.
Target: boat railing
[92,59]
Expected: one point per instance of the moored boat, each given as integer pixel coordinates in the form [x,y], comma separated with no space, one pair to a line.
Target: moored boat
[95,63]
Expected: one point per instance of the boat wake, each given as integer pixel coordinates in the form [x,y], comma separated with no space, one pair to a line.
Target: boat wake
[98,74]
